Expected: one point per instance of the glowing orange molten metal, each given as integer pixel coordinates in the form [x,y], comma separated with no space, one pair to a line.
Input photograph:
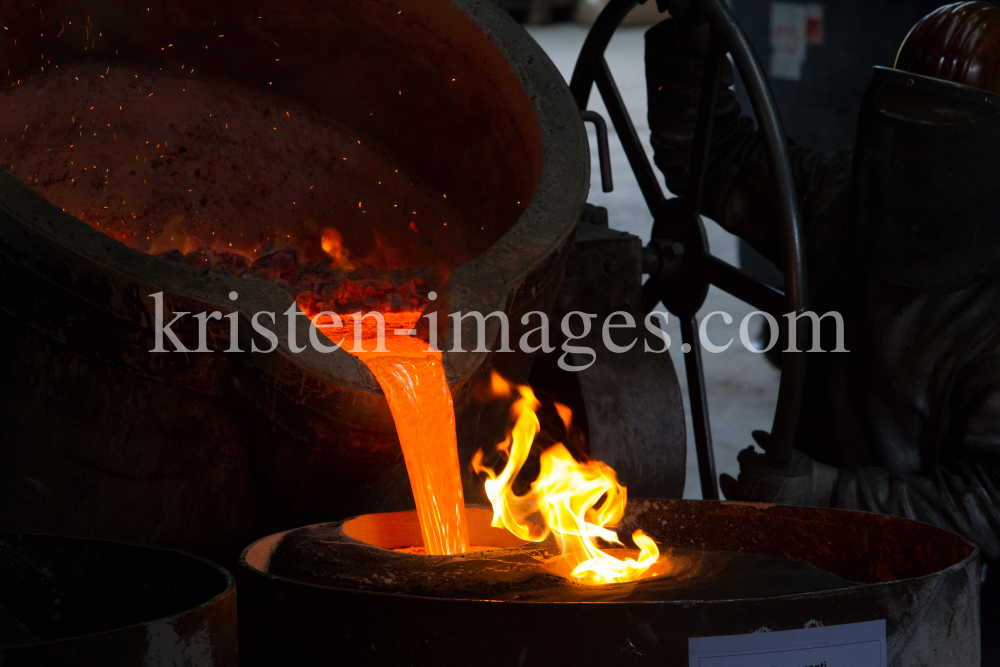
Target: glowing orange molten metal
[415,387]
[567,495]
[413,380]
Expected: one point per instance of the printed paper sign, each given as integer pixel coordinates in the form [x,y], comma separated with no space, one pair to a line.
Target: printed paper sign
[788,40]
[851,645]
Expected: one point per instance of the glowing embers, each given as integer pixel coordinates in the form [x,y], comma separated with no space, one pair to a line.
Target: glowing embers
[567,496]
[333,245]
[234,180]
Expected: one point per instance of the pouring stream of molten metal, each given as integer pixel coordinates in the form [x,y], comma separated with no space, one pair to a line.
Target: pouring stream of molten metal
[567,496]
[415,387]
[413,380]
[576,501]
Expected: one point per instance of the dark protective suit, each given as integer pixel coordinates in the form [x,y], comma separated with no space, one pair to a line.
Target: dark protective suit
[911,415]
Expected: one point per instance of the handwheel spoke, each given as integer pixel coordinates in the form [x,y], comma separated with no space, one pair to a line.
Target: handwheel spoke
[594,46]
[787,198]
[734,281]
[650,295]
[637,159]
[702,144]
[699,409]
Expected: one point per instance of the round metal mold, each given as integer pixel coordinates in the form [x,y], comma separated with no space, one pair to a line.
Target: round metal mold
[91,603]
[923,581]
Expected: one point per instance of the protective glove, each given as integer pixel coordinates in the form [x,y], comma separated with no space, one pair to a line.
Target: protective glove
[802,481]
[686,31]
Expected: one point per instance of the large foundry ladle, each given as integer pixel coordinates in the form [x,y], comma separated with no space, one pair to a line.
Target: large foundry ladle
[680,275]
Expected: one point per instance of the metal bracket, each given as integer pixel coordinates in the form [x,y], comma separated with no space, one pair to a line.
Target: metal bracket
[603,147]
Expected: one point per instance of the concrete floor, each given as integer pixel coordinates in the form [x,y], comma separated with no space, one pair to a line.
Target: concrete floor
[742,386]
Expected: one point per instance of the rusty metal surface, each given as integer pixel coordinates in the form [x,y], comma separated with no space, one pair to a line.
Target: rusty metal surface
[90,603]
[923,581]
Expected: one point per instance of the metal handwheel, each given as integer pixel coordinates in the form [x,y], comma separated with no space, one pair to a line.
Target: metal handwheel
[677,259]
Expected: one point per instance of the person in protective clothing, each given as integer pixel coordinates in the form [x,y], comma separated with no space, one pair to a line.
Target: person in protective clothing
[902,236]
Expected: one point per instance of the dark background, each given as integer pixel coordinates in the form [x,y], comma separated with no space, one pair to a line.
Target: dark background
[821,110]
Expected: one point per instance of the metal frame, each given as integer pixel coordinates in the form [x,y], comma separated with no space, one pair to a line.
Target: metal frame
[680,265]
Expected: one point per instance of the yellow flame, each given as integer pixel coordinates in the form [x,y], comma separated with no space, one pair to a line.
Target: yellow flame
[567,495]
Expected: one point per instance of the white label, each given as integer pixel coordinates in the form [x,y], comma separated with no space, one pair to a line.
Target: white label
[851,645]
[788,40]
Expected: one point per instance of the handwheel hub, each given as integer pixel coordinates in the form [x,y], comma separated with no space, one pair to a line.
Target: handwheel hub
[675,257]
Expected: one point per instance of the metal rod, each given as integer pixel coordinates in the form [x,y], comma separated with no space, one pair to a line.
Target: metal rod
[603,147]
[592,53]
[699,409]
[701,147]
[734,281]
[644,174]
[792,251]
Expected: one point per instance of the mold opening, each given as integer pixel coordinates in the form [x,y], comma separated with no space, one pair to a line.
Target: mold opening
[400,531]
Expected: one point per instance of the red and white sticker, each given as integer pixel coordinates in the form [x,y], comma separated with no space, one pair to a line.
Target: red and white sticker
[794,26]
[815,31]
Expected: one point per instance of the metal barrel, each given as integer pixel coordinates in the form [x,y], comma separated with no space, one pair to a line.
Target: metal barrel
[923,581]
[76,602]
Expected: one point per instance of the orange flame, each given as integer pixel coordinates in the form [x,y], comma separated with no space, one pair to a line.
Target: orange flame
[333,245]
[567,495]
